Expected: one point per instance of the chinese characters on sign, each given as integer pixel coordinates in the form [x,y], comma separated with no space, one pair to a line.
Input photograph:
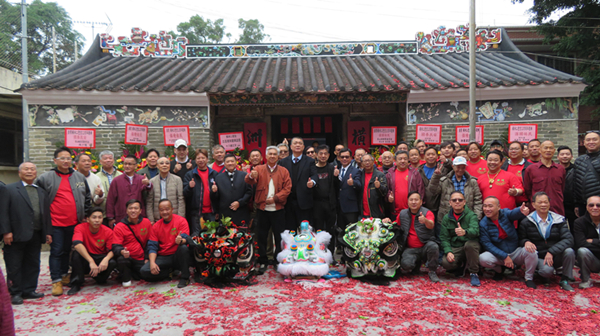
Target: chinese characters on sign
[232,140]
[522,132]
[80,138]
[255,136]
[136,134]
[173,133]
[431,134]
[462,134]
[358,135]
[383,135]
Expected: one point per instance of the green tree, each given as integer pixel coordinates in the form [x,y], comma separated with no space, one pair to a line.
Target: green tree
[41,17]
[252,31]
[201,31]
[578,33]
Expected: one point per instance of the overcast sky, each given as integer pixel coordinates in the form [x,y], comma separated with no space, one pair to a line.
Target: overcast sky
[298,21]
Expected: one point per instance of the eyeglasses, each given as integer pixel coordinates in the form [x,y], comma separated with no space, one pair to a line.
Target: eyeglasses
[456,200]
[65,159]
[588,132]
[344,157]
[310,152]
[594,205]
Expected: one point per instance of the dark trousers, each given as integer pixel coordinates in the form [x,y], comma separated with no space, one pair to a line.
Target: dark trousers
[81,267]
[195,222]
[23,264]
[414,257]
[294,215]
[467,254]
[180,260]
[274,220]
[128,267]
[324,219]
[343,220]
[62,239]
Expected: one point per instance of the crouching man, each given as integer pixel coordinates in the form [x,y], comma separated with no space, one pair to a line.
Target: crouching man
[460,239]
[586,240]
[548,234]
[167,247]
[92,253]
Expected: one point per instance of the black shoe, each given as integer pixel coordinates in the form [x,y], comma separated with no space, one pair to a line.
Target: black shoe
[74,290]
[530,284]
[183,283]
[416,270]
[459,272]
[262,269]
[32,295]
[16,300]
[335,263]
[176,273]
[272,262]
[498,276]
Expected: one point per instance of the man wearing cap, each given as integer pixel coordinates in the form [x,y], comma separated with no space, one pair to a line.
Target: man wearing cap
[182,163]
[497,145]
[456,180]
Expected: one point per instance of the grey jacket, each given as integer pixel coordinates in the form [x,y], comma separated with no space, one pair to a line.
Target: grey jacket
[443,187]
[174,194]
[50,181]
[425,235]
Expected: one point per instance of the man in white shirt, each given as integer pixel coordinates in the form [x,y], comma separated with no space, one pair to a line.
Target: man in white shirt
[83,163]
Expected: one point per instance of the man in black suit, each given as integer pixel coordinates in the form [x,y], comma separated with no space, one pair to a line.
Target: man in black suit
[303,174]
[349,187]
[231,194]
[325,193]
[24,224]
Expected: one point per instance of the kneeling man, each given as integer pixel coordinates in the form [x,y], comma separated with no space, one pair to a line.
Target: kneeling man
[459,236]
[586,241]
[92,253]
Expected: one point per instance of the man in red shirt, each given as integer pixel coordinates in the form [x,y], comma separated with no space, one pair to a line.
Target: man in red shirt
[92,243]
[129,242]
[496,182]
[418,237]
[547,176]
[168,247]
[516,163]
[476,166]
[401,180]
[196,190]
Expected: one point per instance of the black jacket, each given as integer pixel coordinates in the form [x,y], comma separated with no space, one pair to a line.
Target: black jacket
[227,194]
[376,196]
[306,170]
[194,195]
[334,183]
[16,212]
[585,181]
[349,196]
[586,229]
[558,241]
[183,171]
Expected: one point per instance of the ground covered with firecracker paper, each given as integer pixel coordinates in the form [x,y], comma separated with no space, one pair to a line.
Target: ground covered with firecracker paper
[411,305]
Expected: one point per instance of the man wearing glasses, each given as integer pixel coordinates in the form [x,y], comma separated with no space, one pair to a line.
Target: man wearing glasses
[586,178]
[459,238]
[70,199]
[587,241]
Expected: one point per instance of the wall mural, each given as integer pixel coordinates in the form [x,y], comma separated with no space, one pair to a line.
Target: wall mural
[116,115]
[494,111]
[443,41]
[302,98]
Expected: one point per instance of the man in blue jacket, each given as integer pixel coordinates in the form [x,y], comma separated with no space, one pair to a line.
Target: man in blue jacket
[498,236]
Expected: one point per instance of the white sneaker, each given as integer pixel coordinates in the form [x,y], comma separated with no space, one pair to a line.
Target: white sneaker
[586,284]
[127,284]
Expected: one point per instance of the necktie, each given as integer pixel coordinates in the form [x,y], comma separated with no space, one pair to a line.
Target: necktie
[295,160]
[342,174]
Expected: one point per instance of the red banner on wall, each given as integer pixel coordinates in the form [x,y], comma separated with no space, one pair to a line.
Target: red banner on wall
[136,134]
[359,135]
[255,136]
[296,126]
[431,134]
[174,133]
[522,132]
[317,124]
[306,124]
[463,134]
[328,125]
[284,125]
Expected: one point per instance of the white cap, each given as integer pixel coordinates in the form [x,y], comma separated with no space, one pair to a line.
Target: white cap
[459,160]
[180,142]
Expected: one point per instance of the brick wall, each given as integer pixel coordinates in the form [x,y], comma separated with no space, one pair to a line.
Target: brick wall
[42,142]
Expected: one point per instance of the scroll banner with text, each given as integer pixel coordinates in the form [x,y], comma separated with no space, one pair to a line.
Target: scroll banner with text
[383,135]
[522,132]
[358,135]
[431,134]
[174,133]
[231,140]
[462,134]
[136,134]
[255,136]
[80,137]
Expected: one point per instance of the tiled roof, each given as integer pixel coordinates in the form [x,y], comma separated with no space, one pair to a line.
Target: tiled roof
[503,66]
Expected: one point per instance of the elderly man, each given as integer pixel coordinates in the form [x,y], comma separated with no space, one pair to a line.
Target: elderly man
[218,154]
[496,182]
[231,194]
[459,238]
[273,186]
[107,173]
[516,163]
[92,251]
[586,179]
[182,163]
[498,236]
[587,241]
[125,187]
[151,169]
[168,247]
[83,163]
[358,154]
[70,200]
[402,179]
[24,225]
[547,233]
[374,191]
[165,186]
[533,148]
[284,150]
[457,180]
[387,162]
[546,176]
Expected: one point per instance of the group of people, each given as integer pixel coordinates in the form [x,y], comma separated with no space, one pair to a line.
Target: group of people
[454,207]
